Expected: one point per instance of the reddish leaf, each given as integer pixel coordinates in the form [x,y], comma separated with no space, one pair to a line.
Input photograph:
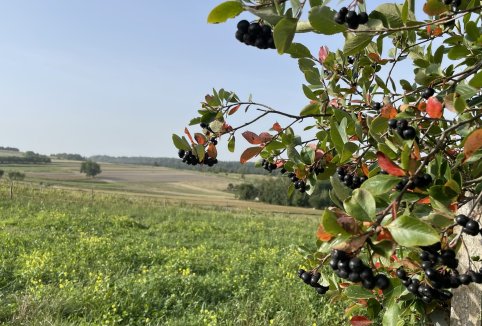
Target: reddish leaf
[353,244]
[226,128]
[388,111]
[334,103]
[453,207]
[234,109]
[472,143]
[422,106]
[416,152]
[277,127]
[323,54]
[280,163]
[265,137]
[387,165]
[434,108]
[188,134]
[200,138]
[212,151]
[384,234]
[249,153]
[360,321]
[365,170]
[322,235]
[252,138]
[318,152]
[425,200]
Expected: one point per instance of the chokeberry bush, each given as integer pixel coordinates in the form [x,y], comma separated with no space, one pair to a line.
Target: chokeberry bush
[402,155]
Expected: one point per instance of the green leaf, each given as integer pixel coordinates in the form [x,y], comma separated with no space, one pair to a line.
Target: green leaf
[393,14]
[357,292]
[298,50]
[361,205]
[380,184]
[330,224]
[340,190]
[458,52]
[310,109]
[355,43]
[283,34]
[199,151]
[180,143]
[224,11]
[411,232]
[322,19]
[392,314]
[231,144]
[476,81]
[472,32]
[405,12]
[434,7]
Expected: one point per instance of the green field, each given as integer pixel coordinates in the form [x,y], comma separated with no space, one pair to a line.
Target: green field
[127,260]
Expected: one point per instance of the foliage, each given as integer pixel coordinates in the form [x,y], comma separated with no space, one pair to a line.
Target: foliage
[68,156]
[134,261]
[27,158]
[273,191]
[15,175]
[221,167]
[424,132]
[90,168]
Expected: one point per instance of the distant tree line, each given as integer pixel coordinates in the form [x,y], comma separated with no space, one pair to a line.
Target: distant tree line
[221,167]
[273,191]
[10,149]
[68,156]
[28,158]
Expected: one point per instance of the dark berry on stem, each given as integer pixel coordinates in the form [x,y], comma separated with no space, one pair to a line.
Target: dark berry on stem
[315,278]
[203,125]
[354,277]
[239,36]
[392,123]
[181,153]
[456,3]
[401,274]
[363,18]
[409,133]
[461,219]
[322,290]
[428,92]
[300,272]
[338,254]
[355,264]
[339,18]
[382,282]
[243,25]
[402,123]
[306,277]
[465,279]
[334,264]
[472,225]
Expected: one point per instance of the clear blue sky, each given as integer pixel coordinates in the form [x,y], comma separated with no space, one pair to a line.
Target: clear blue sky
[118,77]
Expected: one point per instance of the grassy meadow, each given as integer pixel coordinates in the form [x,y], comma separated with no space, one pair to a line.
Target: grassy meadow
[141,260]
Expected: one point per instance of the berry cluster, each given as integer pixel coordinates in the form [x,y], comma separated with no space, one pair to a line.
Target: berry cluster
[312,279]
[190,159]
[268,166]
[428,92]
[351,18]
[469,225]
[440,272]
[420,181]
[299,184]
[404,130]
[350,180]
[354,270]
[317,169]
[255,34]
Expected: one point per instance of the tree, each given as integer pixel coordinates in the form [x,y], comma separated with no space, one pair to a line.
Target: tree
[401,155]
[90,168]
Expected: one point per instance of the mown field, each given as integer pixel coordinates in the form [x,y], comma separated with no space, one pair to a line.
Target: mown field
[181,186]
[132,260]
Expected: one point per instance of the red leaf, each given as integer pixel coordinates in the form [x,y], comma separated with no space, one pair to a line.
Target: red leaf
[249,153]
[387,165]
[265,137]
[365,170]
[200,138]
[323,54]
[434,108]
[212,151]
[388,111]
[234,109]
[322,235]
[425,200]
[252,138]
[188,134]
[353,244]
[277,127]
[472,143]
[360,321]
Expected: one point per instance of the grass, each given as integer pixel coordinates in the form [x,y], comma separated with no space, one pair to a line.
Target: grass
[124,260]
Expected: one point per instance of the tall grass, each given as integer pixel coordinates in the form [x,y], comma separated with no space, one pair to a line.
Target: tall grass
[65,260]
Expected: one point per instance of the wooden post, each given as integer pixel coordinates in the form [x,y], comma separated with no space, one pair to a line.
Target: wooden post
[466,306]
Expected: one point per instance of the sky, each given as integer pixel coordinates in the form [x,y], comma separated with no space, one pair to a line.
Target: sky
[118,77]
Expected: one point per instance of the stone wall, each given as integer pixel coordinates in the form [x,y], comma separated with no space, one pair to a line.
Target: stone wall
[466,306]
